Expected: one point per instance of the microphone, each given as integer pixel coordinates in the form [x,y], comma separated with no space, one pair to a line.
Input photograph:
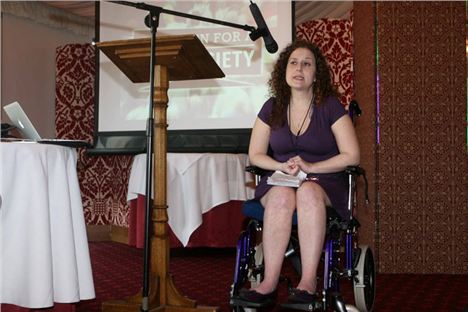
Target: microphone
[262,29]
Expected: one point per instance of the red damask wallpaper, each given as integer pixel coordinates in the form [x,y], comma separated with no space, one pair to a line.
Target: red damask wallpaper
[103,179]
[334,37]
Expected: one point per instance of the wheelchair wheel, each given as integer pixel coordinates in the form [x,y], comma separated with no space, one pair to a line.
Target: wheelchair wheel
[243,309]
[256,277]
[351,308]
[364,282]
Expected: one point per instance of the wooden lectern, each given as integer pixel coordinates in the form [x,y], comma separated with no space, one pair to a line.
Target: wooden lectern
[181,57]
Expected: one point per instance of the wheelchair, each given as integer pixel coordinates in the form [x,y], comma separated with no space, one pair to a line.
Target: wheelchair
[342,258]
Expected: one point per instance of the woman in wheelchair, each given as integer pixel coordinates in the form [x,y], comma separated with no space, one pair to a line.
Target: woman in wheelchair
[302,127]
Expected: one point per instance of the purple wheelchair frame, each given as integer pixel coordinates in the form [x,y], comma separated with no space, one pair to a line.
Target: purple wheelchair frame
[332,273]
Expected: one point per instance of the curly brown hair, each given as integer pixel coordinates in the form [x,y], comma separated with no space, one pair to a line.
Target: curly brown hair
[279,89]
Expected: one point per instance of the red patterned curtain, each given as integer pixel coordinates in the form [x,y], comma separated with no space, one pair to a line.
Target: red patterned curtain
[334,37]
[103,179]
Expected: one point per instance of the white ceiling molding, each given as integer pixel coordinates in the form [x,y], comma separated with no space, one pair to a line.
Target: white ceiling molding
[80,8]
[50,16]
[312,10]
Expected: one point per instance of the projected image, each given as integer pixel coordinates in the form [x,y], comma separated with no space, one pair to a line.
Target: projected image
[229,102]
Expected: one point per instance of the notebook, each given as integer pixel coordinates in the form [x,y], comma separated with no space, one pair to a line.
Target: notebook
[21,121]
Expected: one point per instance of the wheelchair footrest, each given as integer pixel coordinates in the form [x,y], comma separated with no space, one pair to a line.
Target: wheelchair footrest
[236,301]
[315,306]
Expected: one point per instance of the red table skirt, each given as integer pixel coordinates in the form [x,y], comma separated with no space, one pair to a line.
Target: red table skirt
[58,307]
[220,228]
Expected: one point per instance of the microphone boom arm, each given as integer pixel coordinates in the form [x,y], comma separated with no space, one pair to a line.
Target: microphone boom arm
[152,8]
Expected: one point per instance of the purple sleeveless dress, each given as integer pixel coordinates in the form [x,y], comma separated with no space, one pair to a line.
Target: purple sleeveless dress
[316,143]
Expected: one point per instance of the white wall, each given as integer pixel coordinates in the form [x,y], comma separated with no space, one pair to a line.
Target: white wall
[28,67]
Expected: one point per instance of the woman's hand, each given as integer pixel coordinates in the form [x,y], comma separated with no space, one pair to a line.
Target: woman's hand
[290,167]
[301,164]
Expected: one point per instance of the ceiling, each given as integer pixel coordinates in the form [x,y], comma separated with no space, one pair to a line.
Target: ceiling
[337,9]
[305,10]
[80,8]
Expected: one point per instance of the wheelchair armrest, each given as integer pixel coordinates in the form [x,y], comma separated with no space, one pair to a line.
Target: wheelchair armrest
[357,170]
[255,170]
[351,170]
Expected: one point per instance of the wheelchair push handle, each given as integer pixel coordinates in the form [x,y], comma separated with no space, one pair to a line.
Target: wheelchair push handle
[359,171]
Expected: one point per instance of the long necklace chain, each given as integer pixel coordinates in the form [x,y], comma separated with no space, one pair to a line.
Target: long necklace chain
[294,142]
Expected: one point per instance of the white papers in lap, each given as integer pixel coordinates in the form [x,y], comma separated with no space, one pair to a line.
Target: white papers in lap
[282,179]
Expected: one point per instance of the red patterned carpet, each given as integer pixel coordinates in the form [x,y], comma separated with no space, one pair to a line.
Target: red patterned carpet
[206,274]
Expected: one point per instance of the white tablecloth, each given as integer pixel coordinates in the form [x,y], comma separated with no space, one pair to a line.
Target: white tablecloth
[44,249]
[195,184]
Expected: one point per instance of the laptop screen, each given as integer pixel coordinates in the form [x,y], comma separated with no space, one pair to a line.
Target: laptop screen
[19,118]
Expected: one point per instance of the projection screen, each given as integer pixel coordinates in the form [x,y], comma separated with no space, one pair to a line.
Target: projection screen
[221,106]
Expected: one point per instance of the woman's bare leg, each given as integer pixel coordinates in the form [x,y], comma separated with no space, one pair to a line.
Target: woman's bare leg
[311,215]
[279,205]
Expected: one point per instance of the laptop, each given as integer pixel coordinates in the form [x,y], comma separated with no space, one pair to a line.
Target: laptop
[21,121]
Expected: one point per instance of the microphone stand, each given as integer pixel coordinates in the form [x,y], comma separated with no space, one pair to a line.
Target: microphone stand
[152,21]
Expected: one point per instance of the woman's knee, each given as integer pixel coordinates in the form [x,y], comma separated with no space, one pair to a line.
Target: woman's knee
[280,198]
[311,194]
